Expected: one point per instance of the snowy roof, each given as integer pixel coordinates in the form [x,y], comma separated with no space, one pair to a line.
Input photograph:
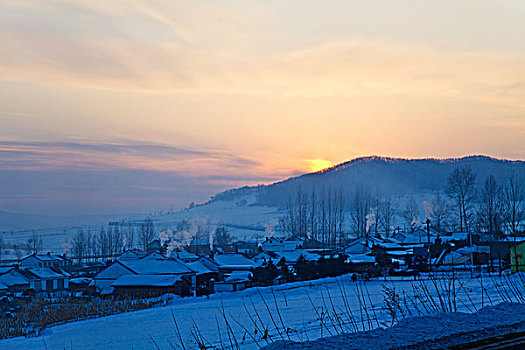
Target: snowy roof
[357,248]
[45,257]
[400,252]
[233,260]
[13,279]
[203,266]
[101,284]
[80,280]
[45,273]
[150,266]
[183,255]
[456,236]
[5,269]
[146,281]
[129,255]
[294,255]
[239,276]
[273,244]
[361,259]
[154,256]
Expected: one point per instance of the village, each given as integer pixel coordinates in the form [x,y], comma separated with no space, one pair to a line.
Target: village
[201,269]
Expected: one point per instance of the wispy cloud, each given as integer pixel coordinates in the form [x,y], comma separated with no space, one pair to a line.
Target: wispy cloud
[164,158]
[188,47]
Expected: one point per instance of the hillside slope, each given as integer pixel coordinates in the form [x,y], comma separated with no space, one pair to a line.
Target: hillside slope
[386,176]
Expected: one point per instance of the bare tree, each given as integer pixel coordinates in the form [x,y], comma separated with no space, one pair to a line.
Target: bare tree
[411,213]
[222,237]
[360,209]
[102,243]
[386,217]
[146,233]
[79,244]
[18,252]
[440,211]
[34,243]
[490,210]
[129,237]
[514,202]
[461,189]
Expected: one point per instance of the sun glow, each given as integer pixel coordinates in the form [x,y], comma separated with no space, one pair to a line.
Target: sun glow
[319,164]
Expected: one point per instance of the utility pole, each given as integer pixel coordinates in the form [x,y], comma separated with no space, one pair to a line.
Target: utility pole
[428,236]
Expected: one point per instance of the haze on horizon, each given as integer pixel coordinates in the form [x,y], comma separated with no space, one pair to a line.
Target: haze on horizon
[134,106]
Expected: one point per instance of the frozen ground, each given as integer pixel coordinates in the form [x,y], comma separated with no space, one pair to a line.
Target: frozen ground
[439,331]
[304,311]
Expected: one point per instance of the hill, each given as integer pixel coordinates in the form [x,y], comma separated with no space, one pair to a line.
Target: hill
[385,176]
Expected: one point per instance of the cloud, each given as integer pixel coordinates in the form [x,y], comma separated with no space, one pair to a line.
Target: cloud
[84,155]
[188,47]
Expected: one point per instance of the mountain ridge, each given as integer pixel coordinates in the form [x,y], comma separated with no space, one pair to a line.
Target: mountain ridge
[388,175]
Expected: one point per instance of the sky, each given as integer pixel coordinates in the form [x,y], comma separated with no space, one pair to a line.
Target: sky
[141,105]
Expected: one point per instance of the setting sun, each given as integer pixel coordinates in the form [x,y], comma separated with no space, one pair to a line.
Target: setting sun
[319,164]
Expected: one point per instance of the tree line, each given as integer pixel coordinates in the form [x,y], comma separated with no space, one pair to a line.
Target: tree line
[329,215]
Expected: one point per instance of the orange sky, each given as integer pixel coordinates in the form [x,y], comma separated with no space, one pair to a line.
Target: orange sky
[264,89]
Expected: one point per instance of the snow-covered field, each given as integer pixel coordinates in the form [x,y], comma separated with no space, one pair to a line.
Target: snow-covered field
[243,221]
[299,311]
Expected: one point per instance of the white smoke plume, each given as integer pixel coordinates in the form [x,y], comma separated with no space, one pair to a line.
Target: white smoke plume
[177,240]
[269,228]
[428,209]
[370,220]
[66,247]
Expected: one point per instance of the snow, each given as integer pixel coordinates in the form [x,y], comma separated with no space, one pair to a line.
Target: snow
[13,279]
[233,261]
[45,273]
[156,267]
[146,280]
[136,329]
[361,259]
[435,332]
[239,276]
[203,267]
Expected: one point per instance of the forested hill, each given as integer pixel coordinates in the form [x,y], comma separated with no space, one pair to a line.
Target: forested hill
[386,176]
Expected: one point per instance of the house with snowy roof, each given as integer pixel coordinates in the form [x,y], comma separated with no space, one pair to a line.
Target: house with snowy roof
[144,286]
[45,260]
[45,279]
[236,281]
[228,263]
[13,281]
[147,266]
[184,256]
[207,273]
[272,244]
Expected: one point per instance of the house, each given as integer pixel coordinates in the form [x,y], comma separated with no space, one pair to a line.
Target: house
[14,282]
[184,256]
[79,284]
[141,286]
[45,260]
[262,258]
[238,280]
[148,265]
[272,244]
[290,257]
[358,246]
[154,246]
[207,272]
[229,263]
[419,235]
[45,279]
[130,255]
